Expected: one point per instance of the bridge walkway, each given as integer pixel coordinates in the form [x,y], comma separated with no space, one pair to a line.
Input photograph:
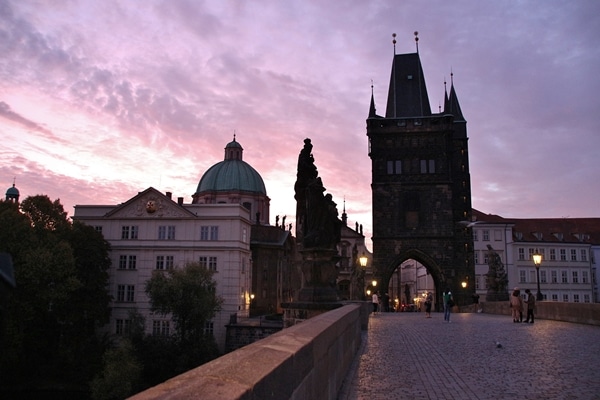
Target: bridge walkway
[475,356]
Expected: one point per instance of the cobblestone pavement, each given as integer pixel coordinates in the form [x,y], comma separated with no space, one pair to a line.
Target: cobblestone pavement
[476,356]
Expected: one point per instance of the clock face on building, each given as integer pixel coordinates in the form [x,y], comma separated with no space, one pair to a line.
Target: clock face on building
[151,206]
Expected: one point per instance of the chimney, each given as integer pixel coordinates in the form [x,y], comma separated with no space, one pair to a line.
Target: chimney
[180,201]
[169,194]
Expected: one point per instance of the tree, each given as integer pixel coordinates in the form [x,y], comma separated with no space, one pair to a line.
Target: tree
[120,375]
[61,293]
[188,294]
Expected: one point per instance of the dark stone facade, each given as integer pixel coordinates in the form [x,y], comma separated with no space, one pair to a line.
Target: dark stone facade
[421,186]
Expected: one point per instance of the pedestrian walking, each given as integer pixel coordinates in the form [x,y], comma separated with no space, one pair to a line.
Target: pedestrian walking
[375,302]
[530,305]
[428,302]
[448,304]
[475,298]
[516,305]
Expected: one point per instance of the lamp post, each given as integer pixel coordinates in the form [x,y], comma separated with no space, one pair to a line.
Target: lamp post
[537,261]
[363,268]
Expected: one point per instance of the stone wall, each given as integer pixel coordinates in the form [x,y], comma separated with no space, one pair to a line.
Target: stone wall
[582,313]
[305,361]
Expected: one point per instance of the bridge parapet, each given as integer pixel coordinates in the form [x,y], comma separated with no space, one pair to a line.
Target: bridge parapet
[306,361]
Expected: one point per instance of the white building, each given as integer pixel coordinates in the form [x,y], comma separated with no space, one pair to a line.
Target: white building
[151,231]
[567,246]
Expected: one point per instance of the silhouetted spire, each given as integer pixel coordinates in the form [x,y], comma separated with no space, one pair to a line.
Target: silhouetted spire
[372,111]
[451,105]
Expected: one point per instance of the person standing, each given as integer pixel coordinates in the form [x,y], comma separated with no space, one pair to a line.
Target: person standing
[516,305]
[475,298]
[428,301]
[530,305]
[448,304]
[375,302]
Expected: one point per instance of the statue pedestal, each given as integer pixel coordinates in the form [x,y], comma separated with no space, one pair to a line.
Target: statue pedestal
[318,294]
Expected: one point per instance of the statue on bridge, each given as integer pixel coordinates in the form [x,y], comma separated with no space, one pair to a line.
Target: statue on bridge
[497,279]
[318,231]
[317,222]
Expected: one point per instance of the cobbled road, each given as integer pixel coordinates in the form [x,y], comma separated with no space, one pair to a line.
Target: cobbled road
[475,356]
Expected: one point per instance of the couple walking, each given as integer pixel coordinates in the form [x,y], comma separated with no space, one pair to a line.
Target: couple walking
[516,305]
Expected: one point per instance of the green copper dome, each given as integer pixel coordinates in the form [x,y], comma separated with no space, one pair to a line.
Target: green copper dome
[232,174]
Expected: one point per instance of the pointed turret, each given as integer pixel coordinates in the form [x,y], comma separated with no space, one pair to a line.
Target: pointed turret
[372,111]
[451,105]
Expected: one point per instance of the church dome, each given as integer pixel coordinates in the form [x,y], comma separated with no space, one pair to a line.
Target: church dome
[12,194]
[232,174]
[12,191]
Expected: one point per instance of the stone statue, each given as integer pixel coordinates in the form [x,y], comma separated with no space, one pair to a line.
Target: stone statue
[317,222]
[497,279]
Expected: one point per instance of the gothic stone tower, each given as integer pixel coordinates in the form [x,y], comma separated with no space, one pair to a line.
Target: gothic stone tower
[421,184]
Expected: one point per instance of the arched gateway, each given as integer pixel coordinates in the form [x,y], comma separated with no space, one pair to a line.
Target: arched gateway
[421,184]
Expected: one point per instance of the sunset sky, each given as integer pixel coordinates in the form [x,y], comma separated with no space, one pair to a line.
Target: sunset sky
[101,99]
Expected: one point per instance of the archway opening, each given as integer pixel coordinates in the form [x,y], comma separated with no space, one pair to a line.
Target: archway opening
[409,285]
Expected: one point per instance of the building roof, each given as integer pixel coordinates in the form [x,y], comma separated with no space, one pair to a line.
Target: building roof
[232,174]
[407,96]
[566,230]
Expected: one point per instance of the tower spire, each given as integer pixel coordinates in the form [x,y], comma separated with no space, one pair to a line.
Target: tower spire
[372,111]
[417,41]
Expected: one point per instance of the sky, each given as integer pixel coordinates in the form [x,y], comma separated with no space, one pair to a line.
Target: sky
[101,100]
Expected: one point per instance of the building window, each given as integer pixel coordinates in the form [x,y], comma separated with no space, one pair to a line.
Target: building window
[129,232]
[573,254]
[98,228]
[583,255]
[586,298]
[209,233]
[427,166]
[394,167]
[245,235]
[565,298]
[486,257]
[486,235]
[521,253]
[552,254]
[476,256]
[575,298]
[161,328]
[584,277]
[166,232]
[563,277]
[209,328]
[530,251]
[130,294]
[543,277]
[169,262]
[127,262]
[575,277]
[123,327]
[522,276]
[475,235]
[554,276]
[160,262]
[554,297]
[209,263]
[563,255]
[125,293]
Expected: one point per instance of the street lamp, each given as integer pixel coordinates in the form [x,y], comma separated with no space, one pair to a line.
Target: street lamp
[362,260]
[537,261]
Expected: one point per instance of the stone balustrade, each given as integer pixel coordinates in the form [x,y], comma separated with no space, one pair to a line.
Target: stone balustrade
[306,361]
